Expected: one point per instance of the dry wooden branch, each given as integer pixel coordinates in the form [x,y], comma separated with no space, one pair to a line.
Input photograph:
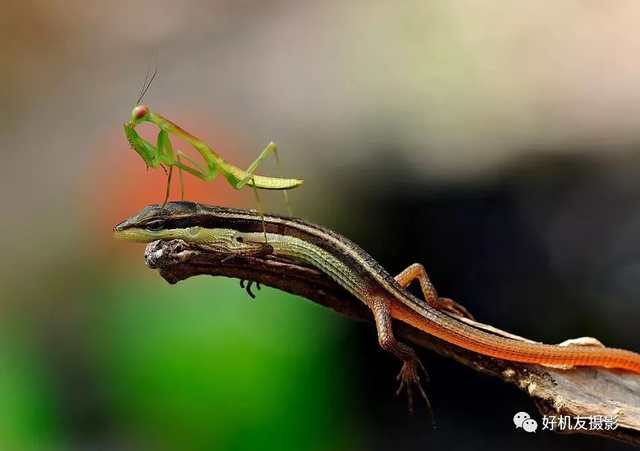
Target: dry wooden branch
[575,392]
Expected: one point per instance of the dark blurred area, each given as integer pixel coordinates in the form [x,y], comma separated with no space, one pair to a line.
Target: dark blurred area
[545,249]
[497,144]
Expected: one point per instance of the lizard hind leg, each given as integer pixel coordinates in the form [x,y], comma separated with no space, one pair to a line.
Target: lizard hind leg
[409,375]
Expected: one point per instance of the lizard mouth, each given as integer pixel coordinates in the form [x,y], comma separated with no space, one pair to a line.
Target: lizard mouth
[134,235]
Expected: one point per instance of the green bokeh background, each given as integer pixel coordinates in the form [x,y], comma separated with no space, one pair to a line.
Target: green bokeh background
[199,366]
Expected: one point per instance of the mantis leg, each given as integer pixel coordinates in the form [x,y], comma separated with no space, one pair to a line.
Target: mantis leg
[164,143]
[252,168]
[264,227]
[417,271]
[166,197]
[201,172]
[209,175]
[181,181]
[201,168]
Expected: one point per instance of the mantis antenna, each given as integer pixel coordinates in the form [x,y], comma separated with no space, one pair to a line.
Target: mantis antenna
[145,86]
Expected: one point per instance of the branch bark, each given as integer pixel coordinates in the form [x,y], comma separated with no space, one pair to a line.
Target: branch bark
[576,392]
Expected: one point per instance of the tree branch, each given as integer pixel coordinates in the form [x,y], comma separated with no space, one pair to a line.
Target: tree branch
[582,392]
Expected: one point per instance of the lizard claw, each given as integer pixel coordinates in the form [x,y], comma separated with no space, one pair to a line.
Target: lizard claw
[453,307]
[249,285]
[409,377]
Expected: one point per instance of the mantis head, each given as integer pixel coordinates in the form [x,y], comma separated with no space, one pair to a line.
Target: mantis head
[139,114]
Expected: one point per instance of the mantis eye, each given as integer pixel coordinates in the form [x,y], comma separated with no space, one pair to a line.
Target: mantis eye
[155,226]
[139,112]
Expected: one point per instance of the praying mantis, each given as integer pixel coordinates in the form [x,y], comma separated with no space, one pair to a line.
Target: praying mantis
[162,154]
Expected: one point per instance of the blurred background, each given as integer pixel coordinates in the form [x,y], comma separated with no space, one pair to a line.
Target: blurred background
[497,143]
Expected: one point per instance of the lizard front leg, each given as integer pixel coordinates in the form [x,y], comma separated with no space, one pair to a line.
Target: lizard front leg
[417,271]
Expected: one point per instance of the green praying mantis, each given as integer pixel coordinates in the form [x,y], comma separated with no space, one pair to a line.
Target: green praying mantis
[162,155]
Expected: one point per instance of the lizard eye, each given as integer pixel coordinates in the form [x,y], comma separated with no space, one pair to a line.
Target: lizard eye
[155,226]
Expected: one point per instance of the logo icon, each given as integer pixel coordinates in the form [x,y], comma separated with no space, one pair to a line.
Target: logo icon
[530,425]
[524,421]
